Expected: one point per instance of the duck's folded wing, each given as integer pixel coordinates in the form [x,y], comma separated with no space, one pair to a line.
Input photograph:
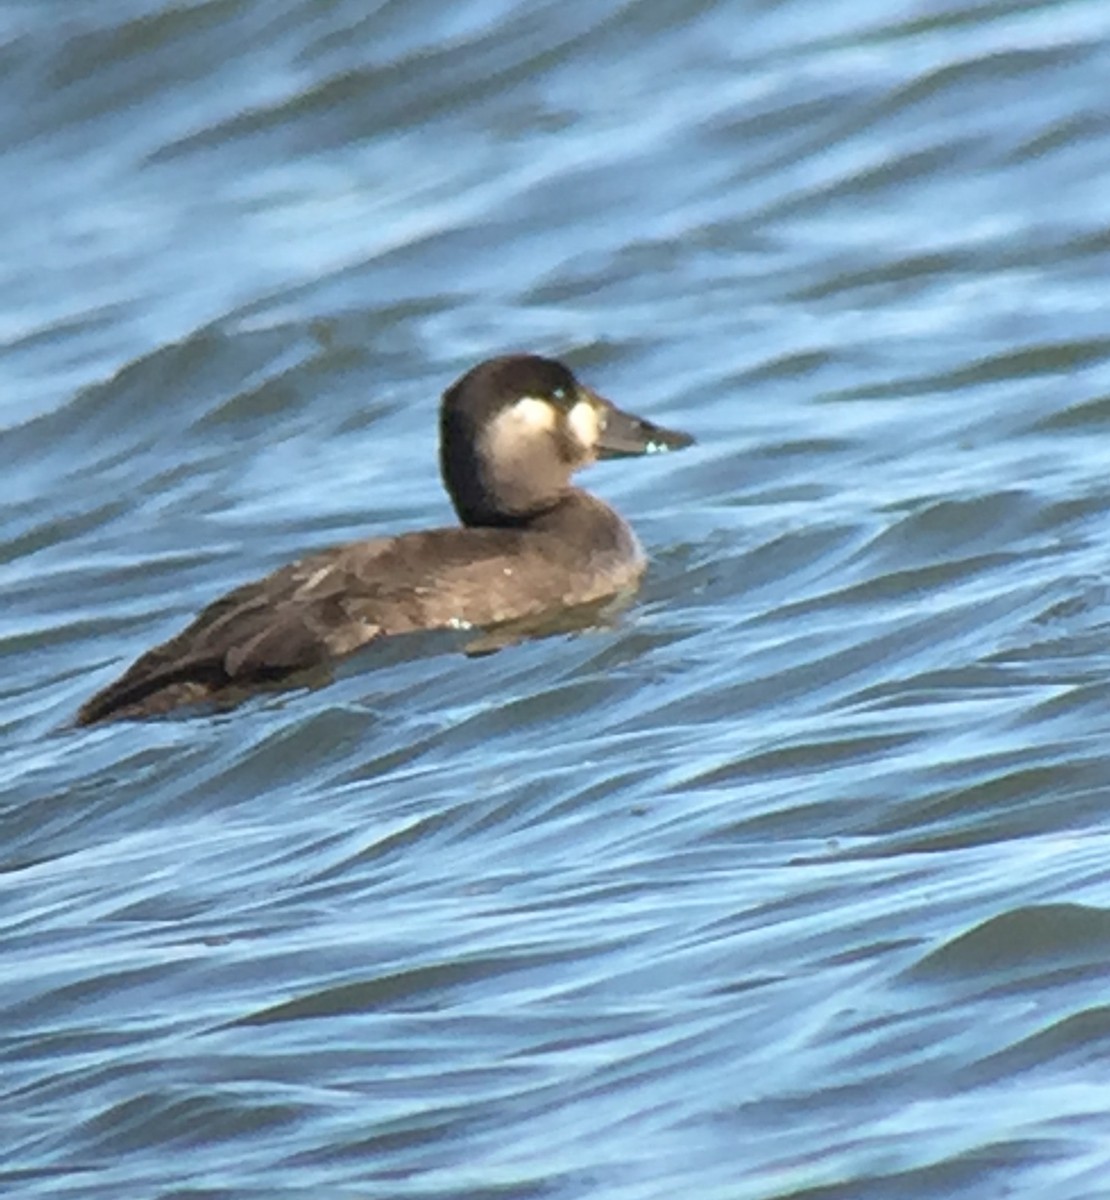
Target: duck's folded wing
[259,633]
[324,607]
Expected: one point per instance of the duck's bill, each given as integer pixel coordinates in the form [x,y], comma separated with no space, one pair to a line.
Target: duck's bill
[622,433]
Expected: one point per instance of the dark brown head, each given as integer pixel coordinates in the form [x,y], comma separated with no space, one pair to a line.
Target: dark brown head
[513,430]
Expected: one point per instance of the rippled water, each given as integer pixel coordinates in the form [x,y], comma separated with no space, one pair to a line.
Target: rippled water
[797,883]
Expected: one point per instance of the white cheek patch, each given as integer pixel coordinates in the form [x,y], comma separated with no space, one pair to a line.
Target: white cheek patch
[584,424]
[520,425]
[536,416]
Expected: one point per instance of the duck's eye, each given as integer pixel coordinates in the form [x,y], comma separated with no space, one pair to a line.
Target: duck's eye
[559,395]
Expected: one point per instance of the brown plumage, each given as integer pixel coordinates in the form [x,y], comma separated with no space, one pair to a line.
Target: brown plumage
[512,432]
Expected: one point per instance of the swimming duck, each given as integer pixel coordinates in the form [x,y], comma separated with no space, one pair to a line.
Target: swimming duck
[512,432]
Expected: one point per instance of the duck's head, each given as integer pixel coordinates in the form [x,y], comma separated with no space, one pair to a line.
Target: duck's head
[513,430]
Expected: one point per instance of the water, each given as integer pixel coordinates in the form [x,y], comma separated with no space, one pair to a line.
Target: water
[796,883]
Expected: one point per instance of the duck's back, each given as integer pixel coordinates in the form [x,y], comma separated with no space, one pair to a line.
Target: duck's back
[329,604]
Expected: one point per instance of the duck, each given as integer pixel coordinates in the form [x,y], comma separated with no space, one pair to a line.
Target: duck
[513,430]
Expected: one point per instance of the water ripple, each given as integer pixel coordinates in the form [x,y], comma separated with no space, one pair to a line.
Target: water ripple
[790,882]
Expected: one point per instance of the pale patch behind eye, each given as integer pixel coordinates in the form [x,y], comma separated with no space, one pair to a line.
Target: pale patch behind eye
[585,424]
[533,414]
[519,425]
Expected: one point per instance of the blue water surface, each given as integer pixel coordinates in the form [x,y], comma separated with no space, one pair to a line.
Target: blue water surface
[794,883]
